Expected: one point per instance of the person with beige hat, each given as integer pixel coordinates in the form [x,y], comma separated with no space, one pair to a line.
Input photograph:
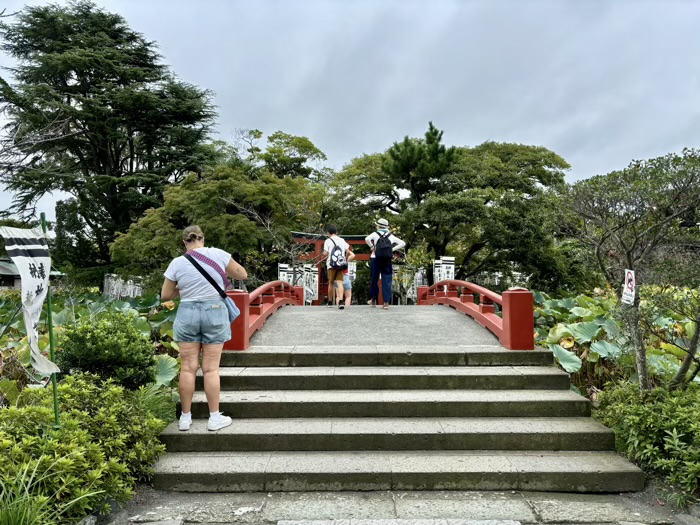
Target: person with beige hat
[383,245]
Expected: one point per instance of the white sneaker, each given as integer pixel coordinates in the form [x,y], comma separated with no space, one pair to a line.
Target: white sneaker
[185,422]
[218,421]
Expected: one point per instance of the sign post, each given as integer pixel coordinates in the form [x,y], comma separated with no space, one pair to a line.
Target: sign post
[49,318]
[629,287]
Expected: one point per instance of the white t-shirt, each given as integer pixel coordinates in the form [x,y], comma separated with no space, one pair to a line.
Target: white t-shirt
[372,239]
[328,247]
[192,284]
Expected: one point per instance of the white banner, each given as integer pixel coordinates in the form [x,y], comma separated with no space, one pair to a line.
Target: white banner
[30,253]
[310,283]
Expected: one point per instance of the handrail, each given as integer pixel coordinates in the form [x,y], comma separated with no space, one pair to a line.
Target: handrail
[483,292]
[267,286]
[257,306]
[514,328]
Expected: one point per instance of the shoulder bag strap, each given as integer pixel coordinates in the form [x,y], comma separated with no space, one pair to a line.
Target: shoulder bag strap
[206,275]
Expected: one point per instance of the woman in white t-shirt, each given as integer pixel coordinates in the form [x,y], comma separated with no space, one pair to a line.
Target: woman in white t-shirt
[202,322]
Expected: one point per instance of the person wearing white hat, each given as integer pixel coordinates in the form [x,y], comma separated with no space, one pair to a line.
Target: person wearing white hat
[383,245]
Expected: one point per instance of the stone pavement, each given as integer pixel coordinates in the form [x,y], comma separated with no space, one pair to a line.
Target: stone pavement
[432,508]
[363,325]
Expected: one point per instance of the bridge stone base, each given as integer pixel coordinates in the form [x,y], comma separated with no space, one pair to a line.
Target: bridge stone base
[460,414]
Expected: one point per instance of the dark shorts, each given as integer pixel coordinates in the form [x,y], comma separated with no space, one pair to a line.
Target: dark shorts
[202,322]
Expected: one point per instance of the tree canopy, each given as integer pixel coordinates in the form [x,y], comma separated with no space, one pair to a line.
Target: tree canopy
[251,217]
[626,217]
[491,206]
[93,112]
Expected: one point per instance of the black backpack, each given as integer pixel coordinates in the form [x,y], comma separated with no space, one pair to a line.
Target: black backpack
[383,247]
[337,256]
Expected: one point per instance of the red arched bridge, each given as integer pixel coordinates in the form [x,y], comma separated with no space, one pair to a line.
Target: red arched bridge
[510,316]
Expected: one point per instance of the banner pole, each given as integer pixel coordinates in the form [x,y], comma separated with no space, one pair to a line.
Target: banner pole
[49,314]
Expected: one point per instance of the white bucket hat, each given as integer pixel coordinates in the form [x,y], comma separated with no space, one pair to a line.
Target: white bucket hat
[383,223]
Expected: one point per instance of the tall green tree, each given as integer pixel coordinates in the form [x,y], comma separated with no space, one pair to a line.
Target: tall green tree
[291,156]
[92,111]
[251,217]
[627,216]
[492,206]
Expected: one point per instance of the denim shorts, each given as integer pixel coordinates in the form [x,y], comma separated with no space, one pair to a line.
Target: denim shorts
[347,285]
[202,322]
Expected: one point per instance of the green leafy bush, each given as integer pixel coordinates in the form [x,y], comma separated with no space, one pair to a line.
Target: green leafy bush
[584,336]
[105,443]
[659,430]
[22,501]
[157,400]
[110,347]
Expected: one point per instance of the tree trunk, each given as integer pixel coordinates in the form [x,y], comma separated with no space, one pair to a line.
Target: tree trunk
[680,378]
[630,314]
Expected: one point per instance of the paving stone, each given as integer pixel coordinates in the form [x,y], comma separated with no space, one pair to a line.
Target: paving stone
[328,506]
[587,509]
[685,519]
[477,506]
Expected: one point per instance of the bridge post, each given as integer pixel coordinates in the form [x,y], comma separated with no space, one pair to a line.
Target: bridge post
[423,295]
[518,319]
[486,306]
[299,294]
[239,328]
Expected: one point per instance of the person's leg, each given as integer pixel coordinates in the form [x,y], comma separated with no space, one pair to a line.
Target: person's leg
[331,286]
[339,288]
[387,275]
[211,359]
[347,290]
[189,357]
[216,330]
[374,280]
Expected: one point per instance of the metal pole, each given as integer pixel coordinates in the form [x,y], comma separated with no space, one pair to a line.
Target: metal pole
[49,314]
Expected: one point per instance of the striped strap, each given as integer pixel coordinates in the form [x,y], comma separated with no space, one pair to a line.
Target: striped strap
[206,260]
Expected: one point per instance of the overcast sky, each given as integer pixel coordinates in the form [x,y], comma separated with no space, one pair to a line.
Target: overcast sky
[599,82]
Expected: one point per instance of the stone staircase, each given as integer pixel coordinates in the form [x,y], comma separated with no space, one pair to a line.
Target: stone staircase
[405,417]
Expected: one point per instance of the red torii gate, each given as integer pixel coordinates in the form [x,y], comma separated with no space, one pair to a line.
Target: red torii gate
[317,241]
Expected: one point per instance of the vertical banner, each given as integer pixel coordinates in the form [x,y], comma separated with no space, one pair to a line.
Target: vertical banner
[447,268]
[437,273]
[352,271]
[30,253]
[283,272]
[310,283]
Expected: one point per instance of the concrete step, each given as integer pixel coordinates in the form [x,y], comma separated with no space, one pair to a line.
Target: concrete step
[399,470]
[377,355]
[396,403]
[392,378]
[394,434]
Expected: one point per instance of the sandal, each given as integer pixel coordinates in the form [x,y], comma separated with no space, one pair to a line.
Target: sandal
[385,307]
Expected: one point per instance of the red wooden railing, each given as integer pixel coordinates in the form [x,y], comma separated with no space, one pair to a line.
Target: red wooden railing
[515,327]
[257,306]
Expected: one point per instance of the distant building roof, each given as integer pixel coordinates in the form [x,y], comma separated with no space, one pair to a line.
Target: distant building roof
[7,267]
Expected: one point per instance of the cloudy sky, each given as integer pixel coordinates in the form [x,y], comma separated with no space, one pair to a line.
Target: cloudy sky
[599,82]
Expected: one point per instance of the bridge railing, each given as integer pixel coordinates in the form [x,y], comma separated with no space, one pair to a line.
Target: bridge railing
[257,306]
[515,326]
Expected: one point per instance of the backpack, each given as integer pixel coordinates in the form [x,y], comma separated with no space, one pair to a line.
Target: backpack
[383,247]
[337,256]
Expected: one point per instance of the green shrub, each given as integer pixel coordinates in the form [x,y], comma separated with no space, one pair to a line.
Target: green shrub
[111,347]
[106,442]
[157,400]
[659,430]
[22,501]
